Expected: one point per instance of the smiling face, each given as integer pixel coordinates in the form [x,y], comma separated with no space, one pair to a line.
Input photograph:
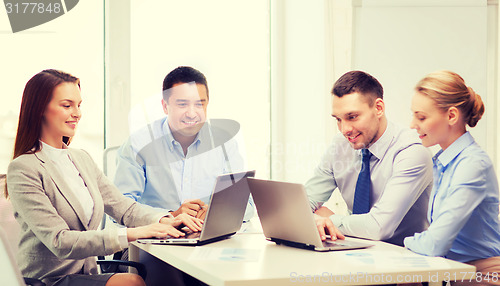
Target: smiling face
[186,108]
[359,122]
[62,114]
[431,123]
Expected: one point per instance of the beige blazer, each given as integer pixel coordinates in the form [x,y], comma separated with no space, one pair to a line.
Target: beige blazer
[56,237]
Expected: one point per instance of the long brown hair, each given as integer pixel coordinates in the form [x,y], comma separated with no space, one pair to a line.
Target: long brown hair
[36,96]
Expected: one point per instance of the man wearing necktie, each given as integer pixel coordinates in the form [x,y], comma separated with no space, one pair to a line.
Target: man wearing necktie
[382,171]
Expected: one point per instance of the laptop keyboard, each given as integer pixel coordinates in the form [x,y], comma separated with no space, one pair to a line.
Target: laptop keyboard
[188,233]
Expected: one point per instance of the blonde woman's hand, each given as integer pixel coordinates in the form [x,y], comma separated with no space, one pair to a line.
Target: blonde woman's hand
[159,230]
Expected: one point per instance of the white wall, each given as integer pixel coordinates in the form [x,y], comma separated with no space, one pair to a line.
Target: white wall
[401,41]
[300,97]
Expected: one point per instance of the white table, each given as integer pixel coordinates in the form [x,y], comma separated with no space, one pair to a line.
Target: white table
[274,264]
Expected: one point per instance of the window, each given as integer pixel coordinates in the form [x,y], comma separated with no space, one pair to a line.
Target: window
[72,43]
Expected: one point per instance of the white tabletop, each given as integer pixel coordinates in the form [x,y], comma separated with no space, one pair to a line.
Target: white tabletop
[249,259]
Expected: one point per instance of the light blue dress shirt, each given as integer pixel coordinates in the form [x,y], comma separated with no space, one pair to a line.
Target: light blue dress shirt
[463,208]
[401,177]
[152,168]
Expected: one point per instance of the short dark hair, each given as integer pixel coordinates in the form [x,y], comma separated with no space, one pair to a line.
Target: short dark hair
[183,74]
[361,82]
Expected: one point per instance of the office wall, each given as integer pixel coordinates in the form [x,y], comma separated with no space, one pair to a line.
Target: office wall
[303,68]
[301,126]
[401,41]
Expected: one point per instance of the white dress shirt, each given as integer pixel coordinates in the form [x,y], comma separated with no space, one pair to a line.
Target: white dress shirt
[64,164]
[153,170]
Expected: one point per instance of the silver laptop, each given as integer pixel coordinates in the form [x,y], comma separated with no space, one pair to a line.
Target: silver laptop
[224,215]
[286,217]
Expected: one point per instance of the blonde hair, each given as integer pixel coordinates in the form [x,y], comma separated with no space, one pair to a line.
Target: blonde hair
[448,89]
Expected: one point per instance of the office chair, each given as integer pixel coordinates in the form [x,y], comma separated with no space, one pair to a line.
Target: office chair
[9,272]
[116,265]
[109,155]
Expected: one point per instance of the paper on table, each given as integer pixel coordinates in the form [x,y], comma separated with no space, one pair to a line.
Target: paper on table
[226,254]
[394,259]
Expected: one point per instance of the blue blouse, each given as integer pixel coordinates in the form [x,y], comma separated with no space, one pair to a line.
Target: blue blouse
[463,207]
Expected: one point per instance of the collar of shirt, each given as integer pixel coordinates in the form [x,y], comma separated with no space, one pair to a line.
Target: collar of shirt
[444,157]
[380,147]
[202,135]
[53,153]
[71,175]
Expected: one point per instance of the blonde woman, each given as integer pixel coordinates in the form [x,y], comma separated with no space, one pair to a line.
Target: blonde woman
[463,207]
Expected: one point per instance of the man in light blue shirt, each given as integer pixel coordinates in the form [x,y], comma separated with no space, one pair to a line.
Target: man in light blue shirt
[400,167]
[173,163]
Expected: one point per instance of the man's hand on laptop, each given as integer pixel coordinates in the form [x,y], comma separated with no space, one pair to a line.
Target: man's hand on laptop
[193,223]
[202,212]
[190,207]
[325,226]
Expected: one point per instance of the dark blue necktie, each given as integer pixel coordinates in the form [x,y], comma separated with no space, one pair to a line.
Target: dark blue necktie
[362,193]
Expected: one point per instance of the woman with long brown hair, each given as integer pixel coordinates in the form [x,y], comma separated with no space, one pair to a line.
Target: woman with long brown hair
[59,195]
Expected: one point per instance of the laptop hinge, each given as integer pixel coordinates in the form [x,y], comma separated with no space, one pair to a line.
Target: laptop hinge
[292,243]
